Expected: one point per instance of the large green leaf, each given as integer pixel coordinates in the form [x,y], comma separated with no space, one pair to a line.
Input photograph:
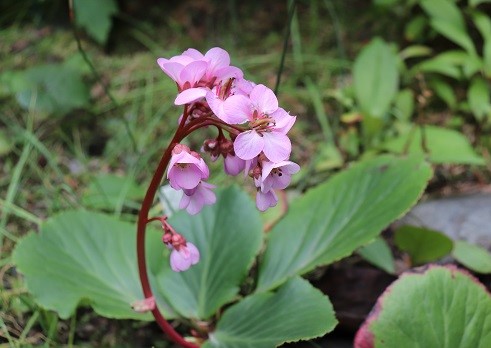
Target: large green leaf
[338,217]
[423,245]
[109,191]
[83,257]
[376,78]
[295,311]
[442,307]
[228,235]
[95,17]
[443,145]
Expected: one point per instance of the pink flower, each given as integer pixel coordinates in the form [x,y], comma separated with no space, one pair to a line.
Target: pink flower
[276,175]
[195,73]
[193,200]
[183,257]
[186,72]
[265,200]
[186,169]
[269,124]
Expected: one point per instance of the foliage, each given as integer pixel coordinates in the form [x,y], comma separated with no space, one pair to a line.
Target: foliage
[421,87]
[95,17]
[453,311]
[229,234]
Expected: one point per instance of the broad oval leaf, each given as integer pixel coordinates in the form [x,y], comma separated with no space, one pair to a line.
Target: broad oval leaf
[443,145]
[441,307]
[83,257]
[338,217]
[423,245]
[228,235]
[295,311]
[376,78]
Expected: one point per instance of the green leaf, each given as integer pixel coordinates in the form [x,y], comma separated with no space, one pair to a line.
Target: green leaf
[404,105]
[378,253]
[83,257]
[109,191]
[95,17]
[447,19]
[483,24]
[474,3]
[336,218]
[448,63]
[415,28]
[423,245]
[6,144]
[443,145]
[415,51]
[472,256]
[444,91]
[55,88]
[376,78]
[442,307]
[479,99]
[228,235]
[295,311]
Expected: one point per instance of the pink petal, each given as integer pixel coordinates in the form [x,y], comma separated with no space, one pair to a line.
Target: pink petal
[264,99]
[193,72]
[266,200]
[193,53]
[178,262]
[193,253]
[277,146]
[173,70]
[243,86]
[283,120]
[290,168]
[215,104]
[184,202]
[190,95]
[182,59]
[219,58]
[229,72]
[185,178]
[183,157]
[233,165]
[205,172]
[237,109]
[248,145]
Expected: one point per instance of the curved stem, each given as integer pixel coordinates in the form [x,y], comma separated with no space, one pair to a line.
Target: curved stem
[140,236]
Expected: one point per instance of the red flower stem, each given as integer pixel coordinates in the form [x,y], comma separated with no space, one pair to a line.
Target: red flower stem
[140,236]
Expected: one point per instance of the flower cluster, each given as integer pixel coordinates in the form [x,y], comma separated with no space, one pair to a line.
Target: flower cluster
[184,254]
[216,94]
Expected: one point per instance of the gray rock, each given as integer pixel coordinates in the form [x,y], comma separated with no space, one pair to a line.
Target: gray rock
[465,217]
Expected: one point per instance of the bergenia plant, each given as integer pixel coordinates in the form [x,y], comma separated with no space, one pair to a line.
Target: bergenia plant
[251,137]
[210,265]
